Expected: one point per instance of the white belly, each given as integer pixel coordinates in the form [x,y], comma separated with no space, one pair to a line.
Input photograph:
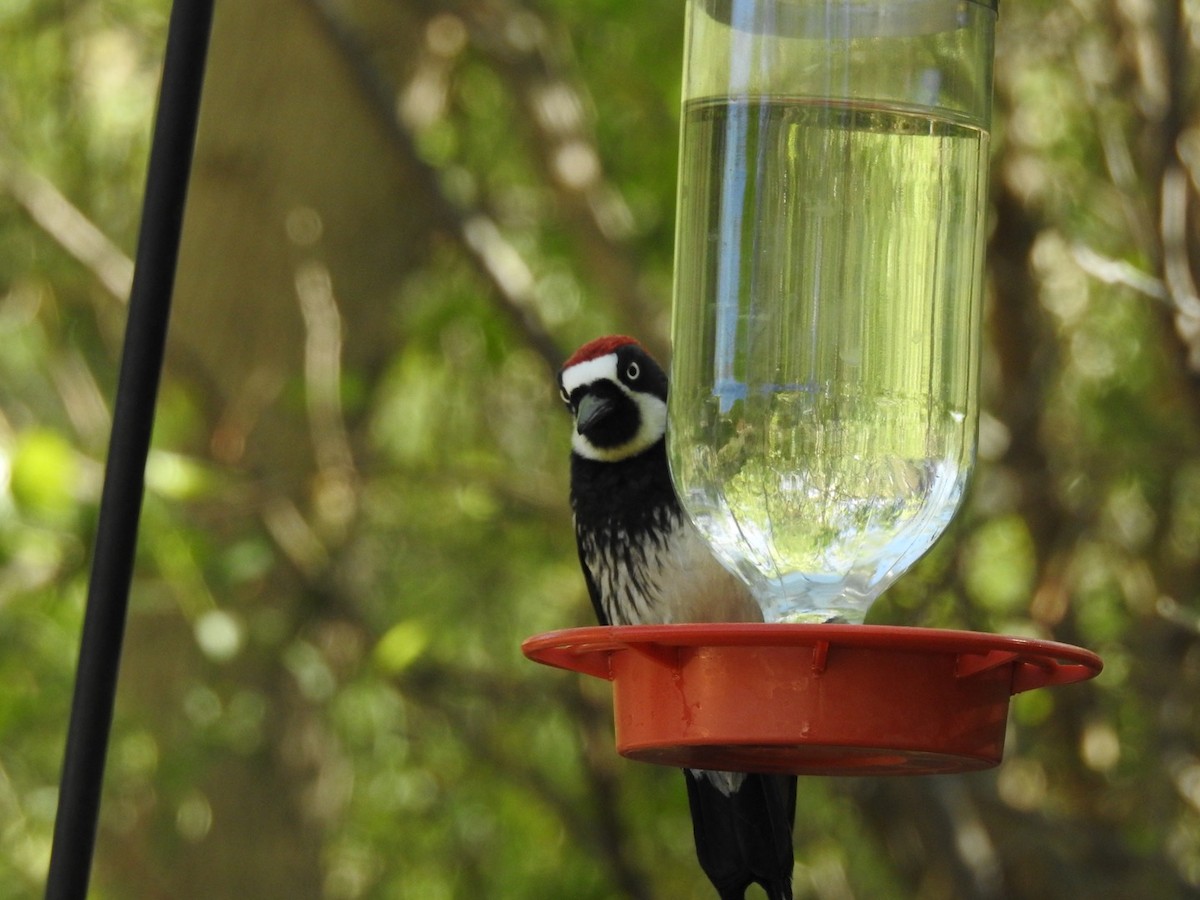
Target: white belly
[676,580]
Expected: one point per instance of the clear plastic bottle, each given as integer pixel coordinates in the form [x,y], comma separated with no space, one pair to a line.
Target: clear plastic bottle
[832,196]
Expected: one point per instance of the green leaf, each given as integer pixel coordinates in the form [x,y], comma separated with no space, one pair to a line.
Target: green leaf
[45,474]
[401,646]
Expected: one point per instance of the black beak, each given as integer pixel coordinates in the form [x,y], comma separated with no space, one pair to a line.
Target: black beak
[592,409]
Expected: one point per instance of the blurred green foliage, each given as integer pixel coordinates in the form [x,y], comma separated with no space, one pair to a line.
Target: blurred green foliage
[401,215]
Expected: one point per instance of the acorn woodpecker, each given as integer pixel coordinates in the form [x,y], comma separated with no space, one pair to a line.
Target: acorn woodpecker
[645,563]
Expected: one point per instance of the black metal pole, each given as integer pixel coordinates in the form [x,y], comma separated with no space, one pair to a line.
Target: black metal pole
[124,478]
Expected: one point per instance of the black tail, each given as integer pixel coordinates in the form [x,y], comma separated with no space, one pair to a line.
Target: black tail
[743,828]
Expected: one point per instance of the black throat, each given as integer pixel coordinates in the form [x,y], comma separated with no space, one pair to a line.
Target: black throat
[628,493]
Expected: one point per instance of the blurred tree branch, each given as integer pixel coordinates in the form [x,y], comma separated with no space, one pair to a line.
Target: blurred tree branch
[500,264]
[599,824]
[527,53]
[66,224]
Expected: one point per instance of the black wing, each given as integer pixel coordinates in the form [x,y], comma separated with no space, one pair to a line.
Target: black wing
[593,588]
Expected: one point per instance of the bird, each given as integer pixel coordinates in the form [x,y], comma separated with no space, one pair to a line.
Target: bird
[645,563]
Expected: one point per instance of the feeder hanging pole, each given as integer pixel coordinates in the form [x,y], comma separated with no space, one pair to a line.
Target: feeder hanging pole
[133,421]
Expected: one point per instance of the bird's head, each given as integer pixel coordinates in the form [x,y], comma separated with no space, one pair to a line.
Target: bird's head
[617,395]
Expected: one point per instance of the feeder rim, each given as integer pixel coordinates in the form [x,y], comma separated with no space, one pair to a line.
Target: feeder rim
[1037,662]
[765,634]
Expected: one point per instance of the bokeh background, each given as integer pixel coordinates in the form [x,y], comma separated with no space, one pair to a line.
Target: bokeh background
[402,216]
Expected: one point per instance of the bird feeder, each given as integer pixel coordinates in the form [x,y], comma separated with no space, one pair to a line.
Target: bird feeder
[823,407]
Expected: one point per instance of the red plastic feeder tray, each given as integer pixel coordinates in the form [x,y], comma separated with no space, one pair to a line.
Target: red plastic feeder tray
[812,699]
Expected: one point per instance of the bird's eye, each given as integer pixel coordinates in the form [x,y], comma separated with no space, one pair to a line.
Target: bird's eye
[633,371]
[566,398]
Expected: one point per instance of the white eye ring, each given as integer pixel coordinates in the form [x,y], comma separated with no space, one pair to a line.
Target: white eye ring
[633,371]
[566,398]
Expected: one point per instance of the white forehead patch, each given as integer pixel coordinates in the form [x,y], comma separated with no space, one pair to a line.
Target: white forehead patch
[589,371]
[652,410]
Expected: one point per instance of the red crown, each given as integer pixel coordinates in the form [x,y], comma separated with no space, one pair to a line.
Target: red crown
[601,346]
